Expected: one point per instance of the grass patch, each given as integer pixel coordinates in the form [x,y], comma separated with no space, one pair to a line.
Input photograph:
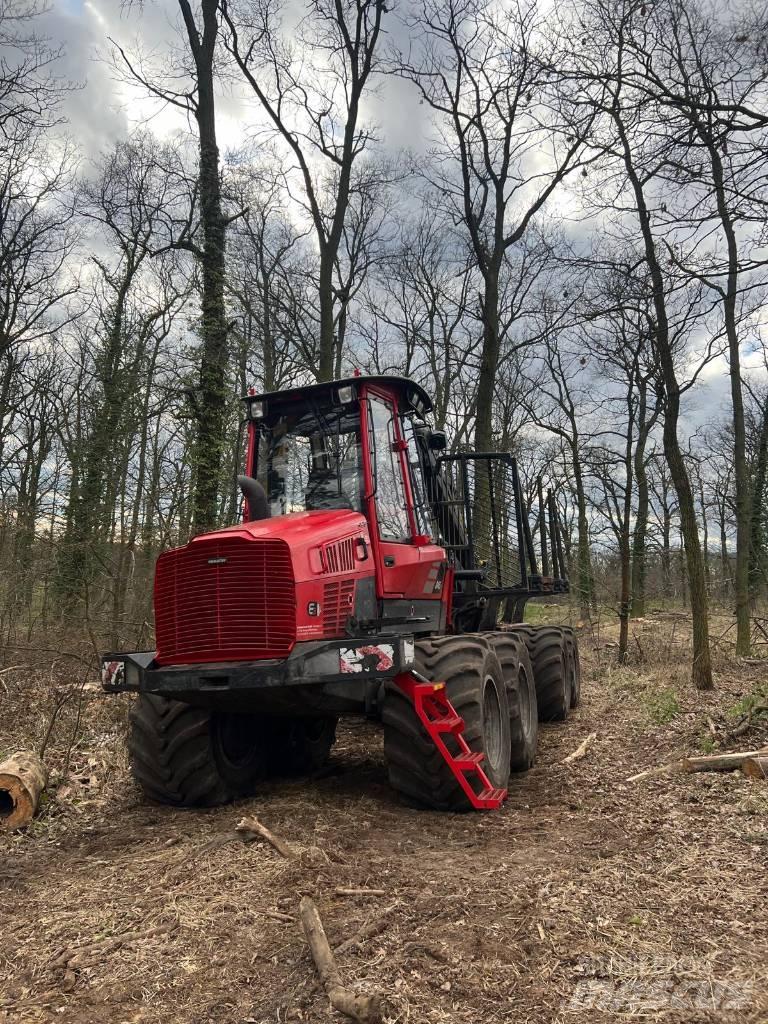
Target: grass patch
[749,701]
[662,705]
[706,743]
[542,614]
[618,677]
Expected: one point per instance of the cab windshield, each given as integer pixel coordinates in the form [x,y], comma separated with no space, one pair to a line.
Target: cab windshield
[310,459]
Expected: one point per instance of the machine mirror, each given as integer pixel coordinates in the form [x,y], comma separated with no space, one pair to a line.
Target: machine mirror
[438,442]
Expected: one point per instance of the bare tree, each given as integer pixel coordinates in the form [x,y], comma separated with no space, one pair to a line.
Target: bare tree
[312,95]
[628,137]
[561,398]
[483,73]
[706,74]
[134,299]
[194,65]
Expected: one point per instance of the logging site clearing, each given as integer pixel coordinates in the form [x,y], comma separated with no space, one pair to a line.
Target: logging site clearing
[586,897]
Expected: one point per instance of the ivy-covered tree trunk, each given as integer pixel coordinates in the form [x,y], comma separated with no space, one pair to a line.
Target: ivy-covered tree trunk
[210,398]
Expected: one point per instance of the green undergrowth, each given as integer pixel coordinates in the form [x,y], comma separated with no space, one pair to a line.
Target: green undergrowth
[749,701]
[661,705]
[658,704]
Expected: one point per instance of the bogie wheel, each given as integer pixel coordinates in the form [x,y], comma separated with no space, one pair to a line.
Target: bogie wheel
[194,757]
[302,744]
[516,667]
[547,651]
[574,664]
[474,681]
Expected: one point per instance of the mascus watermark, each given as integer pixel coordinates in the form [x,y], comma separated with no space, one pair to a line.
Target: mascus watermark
[665,984]
[637,996]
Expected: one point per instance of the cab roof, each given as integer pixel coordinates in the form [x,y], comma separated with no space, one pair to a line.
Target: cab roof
[410,394]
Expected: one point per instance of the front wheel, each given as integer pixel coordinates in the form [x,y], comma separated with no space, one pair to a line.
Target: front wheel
[475,686]
[194,757]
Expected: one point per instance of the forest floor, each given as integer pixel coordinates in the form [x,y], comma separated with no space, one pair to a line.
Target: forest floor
[586,898]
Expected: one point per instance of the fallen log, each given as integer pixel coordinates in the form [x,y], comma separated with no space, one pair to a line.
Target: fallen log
[23,777]
[756,767]
[363,1008]
[719,762]
[705,763]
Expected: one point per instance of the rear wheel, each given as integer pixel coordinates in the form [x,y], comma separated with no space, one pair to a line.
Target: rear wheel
[194,757]
[521,697]
[475,687]
[547,651]
[574,664]
[302,744]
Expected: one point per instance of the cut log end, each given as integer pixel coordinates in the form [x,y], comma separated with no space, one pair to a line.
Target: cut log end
[23,777]
[756,767]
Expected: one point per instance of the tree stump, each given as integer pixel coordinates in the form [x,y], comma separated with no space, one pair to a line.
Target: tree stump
[23,777]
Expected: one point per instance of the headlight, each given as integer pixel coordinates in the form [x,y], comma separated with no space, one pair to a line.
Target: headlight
[255,408]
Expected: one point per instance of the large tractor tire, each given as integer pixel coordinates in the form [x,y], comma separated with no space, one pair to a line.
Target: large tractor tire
[194,757]
[475,686]
[574,665]
[548,654]
[301,745]
[516,667]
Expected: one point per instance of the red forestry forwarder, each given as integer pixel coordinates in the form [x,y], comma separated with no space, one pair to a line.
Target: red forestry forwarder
[368,577]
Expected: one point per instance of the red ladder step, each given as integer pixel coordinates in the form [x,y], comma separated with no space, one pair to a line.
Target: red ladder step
[492,798]
[448,723]
[467,761]
[438,716]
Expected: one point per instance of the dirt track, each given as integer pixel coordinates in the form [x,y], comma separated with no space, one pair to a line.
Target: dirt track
[584,899]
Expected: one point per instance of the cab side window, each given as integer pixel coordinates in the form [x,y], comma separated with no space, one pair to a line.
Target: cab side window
[422,511]
[387,475]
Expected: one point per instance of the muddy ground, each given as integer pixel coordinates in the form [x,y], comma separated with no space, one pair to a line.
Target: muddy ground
[587,898]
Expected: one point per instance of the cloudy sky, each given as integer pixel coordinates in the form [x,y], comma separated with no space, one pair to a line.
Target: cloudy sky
[104,109]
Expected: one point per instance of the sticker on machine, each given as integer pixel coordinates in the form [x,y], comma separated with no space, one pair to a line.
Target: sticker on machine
[378,658]
[112,673]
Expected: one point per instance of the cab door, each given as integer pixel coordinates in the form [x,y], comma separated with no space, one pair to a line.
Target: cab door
[408,564]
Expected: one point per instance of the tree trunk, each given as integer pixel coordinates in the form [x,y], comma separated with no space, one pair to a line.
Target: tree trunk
[666,552]
[210,403]
[486,389]
[639,534]
[586,589]
[757,532]
[740,470]
[326,359]
[625,536]
[725,558]
[701,670]
[489,360]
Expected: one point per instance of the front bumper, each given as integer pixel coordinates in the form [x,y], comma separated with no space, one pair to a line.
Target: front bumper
[313,663]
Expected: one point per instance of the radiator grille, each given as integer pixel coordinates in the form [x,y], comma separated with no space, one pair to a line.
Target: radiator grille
[340,557]
[229,599]
[338,602]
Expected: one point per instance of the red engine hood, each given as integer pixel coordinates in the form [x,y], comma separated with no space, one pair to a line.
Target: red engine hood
[301,531]
[309,528]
